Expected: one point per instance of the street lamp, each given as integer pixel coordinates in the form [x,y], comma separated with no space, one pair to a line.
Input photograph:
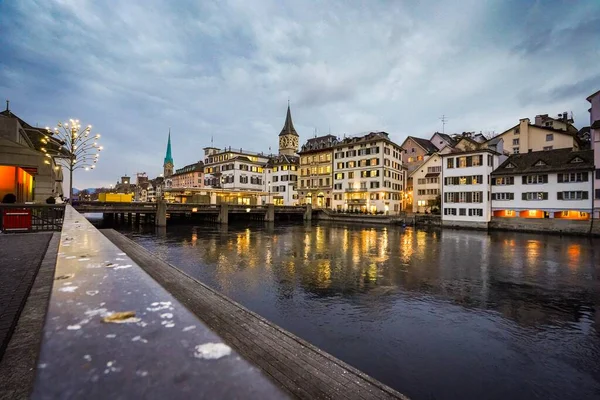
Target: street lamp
[79,147]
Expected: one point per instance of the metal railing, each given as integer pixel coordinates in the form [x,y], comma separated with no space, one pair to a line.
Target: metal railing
[31,217]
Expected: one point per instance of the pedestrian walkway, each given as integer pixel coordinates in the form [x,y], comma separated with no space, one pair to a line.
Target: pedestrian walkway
[20,259]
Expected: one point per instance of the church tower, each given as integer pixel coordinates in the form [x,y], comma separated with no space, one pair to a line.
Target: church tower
[288,138]
[168,164]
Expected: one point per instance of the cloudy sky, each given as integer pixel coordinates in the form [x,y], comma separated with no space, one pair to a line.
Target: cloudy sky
[226,68]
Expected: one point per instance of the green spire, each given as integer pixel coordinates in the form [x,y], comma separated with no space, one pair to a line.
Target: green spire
[168,156]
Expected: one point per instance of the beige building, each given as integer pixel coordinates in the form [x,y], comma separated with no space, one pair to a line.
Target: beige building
[427,185]
[25,170]
[526,137]
[190,176]
[316,171]
[368,174]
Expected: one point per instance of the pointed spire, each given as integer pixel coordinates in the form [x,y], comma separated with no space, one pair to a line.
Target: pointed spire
[288,127]
[168,156]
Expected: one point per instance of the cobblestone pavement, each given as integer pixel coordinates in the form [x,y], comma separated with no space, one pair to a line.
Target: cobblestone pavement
[20,258]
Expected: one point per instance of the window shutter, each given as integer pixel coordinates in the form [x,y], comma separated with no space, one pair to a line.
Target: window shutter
[545,194]
[584,195]
[493,181]
[584,176]
[545,178]
[560,178]
[559,195]
[524,180]
[524,196]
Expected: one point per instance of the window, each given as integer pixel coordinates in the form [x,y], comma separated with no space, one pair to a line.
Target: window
[515,150]
[490,161]
[534,196]
[516,142]
[340,165]
[509,166]
[339,175]
[462,211]
[350,175]
[576,160]
[411,159]
[540,163]
[505,180]
[449,211]
[477,197]
[503,196]
[573,177]
[572,195]
[546,148]
[598,173]
[450,163]
[462,162]
[337,186]
[475,212]
[439,169]
[534,179]
[549,137]
[421,181]
[597,194]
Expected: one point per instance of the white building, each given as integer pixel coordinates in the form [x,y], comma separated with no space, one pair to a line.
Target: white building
[544,184]
[427,184]
[368,174]
[466,187]
[281,180]
[594,99]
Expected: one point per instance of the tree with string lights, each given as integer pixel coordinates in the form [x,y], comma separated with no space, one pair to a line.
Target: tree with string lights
[79,148]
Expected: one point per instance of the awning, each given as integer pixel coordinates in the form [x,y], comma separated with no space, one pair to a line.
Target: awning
[432,174]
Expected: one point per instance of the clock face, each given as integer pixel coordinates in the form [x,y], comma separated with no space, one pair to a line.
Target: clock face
[283,141]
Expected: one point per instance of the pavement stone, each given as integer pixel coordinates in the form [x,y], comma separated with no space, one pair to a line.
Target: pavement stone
[20,259]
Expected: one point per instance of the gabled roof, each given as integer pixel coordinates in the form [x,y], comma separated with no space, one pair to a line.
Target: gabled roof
[444,136]
[288,126]
[589,98]
[555,161]
[418,167]
[425,144]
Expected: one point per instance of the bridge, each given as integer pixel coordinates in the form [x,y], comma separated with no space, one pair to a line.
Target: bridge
[159,211]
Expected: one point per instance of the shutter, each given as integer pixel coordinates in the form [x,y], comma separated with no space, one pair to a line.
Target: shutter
[584,195]
[524,180]
[545,178]
[584,176]
[545,195]
[559,195]
[560,178]
[524,196]
[511,196]
[493,181]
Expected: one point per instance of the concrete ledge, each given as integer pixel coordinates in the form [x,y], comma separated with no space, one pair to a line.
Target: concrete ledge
[547,225]
[482,226]
[164,352]
[301,368]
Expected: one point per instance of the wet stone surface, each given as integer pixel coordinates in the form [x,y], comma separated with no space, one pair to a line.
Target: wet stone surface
[162,351]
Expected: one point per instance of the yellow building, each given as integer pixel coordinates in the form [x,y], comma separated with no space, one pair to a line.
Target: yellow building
[316,171]
[526,137]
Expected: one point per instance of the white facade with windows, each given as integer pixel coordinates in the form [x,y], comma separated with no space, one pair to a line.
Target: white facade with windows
[281,180]
[466,188]
[234,170]
[427,184]
[368,175]
[547,184]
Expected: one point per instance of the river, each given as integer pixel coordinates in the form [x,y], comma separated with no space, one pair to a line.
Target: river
[434,314]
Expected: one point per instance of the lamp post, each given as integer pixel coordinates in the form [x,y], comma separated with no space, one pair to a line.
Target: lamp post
[79,149]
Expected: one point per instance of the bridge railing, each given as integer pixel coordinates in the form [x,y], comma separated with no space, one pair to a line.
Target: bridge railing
[31,217]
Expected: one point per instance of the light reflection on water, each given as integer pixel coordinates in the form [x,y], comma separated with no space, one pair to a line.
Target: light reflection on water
[440,314]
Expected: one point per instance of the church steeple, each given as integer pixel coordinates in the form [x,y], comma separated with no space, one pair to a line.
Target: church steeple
[288,138]
[288,126]
[168,163]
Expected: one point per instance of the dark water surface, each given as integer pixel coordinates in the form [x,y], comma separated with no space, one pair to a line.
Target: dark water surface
[436,315]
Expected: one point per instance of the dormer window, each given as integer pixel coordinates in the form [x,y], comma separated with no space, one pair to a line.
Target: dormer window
[509,165]
[540,163]
[576,160]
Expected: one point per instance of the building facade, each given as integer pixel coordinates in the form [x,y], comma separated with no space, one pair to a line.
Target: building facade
[544,184]
[427,185]
[190,176]
[316,171]
[466,187]
[594,100]
[368,174]
[28,167]
[526,137]
[281,180]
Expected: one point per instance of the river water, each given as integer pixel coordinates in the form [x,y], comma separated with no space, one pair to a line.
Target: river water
[434,314]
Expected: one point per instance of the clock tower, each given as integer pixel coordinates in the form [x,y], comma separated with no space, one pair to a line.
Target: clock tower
[288,138]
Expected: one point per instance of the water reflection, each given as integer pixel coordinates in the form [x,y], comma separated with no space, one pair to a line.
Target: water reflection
[441,314]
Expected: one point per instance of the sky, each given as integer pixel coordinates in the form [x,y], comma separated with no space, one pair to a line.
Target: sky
[225,70]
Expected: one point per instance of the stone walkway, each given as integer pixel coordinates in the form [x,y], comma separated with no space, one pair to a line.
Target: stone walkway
[20,258]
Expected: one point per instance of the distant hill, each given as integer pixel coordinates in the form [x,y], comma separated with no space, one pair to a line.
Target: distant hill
[89,190]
